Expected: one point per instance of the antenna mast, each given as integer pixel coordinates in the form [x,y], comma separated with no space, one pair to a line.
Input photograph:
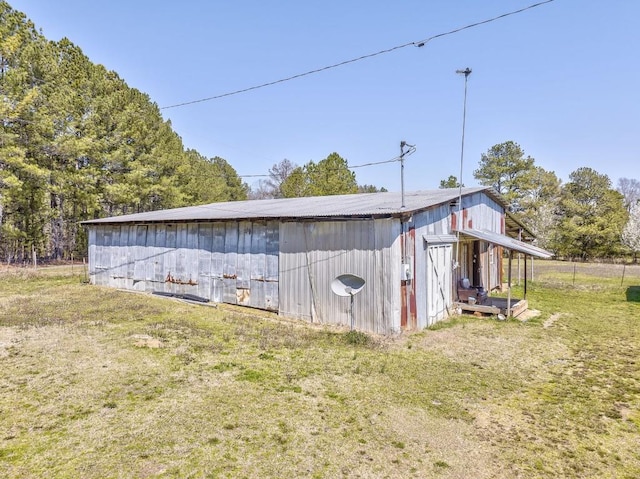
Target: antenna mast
[466,72]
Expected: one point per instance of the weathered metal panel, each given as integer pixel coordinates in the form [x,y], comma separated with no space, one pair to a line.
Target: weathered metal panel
[354,205]
[181,271]
[139,268]
[293,273]
[130,247]
[91,234]
[271,274]
[118,252]
[101,258]
[258,265]
[205,245]
[170,258]
[314,253]
[434,224]
[190,282]
[243,264]
[159,270]
[387,276]
[150,253]
[217,262]
[230,263]
[481,212]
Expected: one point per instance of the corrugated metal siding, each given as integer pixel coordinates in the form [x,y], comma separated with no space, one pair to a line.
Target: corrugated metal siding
[483,213]
[314,253]
[436,221]
[231,262]
[288,266]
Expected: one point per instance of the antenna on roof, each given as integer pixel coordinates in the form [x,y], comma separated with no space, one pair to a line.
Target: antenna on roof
[411,149]
[466,72]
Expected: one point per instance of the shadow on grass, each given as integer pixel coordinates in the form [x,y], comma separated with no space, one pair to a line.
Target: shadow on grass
[633,293]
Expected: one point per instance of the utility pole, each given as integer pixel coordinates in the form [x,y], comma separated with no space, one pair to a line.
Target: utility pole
[466,72]
[402,144]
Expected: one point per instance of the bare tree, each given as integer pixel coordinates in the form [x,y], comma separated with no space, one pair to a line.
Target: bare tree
[630,189]
[277,174]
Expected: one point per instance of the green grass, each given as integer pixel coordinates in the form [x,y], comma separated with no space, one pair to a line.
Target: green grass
[97,383]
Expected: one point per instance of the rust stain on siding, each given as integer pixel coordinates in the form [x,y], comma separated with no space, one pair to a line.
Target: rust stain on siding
[172,279]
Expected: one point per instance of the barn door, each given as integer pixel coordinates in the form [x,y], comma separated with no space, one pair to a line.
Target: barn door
[438,282]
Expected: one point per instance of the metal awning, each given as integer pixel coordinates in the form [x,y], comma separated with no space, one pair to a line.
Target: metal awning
[440,239]
[507,242]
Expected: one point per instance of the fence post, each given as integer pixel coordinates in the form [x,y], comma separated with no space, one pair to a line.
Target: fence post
[624,267]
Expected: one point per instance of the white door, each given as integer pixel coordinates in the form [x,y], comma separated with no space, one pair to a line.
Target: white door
[438,282]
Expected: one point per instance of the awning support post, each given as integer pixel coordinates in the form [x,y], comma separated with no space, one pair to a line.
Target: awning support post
[509,285]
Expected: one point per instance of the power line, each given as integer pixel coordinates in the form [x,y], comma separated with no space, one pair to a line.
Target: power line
[420,43]
[393,160]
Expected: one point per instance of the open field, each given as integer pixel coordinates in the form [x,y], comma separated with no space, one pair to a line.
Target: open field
[98,383]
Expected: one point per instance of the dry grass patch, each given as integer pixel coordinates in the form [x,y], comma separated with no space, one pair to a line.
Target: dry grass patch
[99,383]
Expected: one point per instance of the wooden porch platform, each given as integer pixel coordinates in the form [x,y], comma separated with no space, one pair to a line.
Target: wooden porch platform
[495,306]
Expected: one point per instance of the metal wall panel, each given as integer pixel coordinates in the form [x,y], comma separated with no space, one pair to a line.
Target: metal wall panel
[139,268]
[205,243]
[258,265]
[217,262]
[159,270]
[484,214]
[230,263]
[433,222]
[171,257]
[194,258]
[130,252]
[271,274]
[243,265]
[314,253]
[288,266]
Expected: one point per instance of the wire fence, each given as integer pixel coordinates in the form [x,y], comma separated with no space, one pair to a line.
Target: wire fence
[573,272]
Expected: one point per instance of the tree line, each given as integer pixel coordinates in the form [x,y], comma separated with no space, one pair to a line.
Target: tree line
[582,219]
[77,143]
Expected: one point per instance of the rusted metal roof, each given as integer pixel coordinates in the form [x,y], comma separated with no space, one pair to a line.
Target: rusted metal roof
[356,205]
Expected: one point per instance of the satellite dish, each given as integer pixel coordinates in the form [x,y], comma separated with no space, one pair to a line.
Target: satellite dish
[347,285]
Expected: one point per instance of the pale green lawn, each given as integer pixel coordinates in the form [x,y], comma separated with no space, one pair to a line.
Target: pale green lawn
[98,383]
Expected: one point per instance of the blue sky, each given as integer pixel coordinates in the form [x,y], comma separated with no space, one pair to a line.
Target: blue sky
[562,79]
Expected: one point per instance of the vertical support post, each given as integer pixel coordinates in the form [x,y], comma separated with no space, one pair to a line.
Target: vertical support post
[525,276]
[466,72]
[509,285]
[351,310]
[402,145]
